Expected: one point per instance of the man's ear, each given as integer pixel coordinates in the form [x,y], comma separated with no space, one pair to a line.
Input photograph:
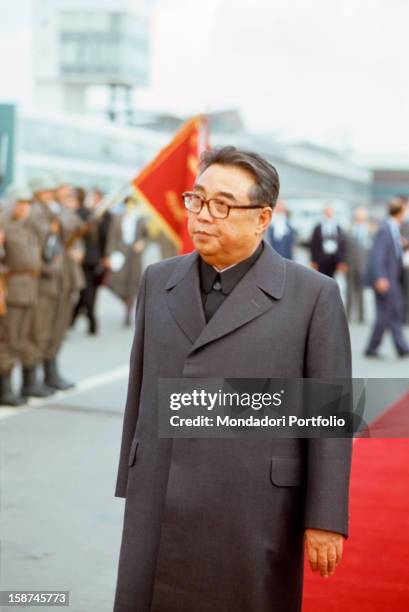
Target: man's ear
[264,219]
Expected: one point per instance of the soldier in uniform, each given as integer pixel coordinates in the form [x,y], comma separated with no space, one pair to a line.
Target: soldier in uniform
[72,229]
[21,261]
[46,213]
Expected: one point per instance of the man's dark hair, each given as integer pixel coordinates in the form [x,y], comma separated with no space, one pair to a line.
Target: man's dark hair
[395,207]
[81,195]
[267,187]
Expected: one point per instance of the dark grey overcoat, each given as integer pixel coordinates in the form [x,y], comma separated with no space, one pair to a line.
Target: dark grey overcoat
[217,525]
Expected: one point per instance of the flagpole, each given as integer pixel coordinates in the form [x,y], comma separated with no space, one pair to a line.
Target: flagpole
[112,199]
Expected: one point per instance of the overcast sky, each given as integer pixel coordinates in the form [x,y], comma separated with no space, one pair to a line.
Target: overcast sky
[332,72]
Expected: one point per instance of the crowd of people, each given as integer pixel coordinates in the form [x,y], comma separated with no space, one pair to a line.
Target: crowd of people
[58,245]
[368,255]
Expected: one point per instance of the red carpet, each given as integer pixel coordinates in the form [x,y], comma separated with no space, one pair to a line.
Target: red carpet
[374,573]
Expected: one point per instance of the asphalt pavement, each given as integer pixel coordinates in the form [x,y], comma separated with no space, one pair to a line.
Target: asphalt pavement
[59,521]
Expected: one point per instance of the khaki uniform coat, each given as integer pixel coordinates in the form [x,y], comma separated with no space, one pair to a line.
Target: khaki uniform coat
[23,262]
[60,282]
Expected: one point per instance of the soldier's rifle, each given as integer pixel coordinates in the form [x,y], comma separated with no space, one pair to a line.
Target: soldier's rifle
[3,292]
[107,202]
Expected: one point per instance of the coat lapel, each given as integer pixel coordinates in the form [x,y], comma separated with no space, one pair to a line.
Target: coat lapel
[249,299]
[184,299]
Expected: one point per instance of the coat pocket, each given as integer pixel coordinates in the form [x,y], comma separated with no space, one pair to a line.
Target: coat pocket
[21,291]
[287,471]
[132,452]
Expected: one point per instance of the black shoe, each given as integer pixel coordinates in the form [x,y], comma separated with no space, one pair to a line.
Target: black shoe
[7,395]
[403,354]
[92,327]
[373,354]
[31,386]
[53,379]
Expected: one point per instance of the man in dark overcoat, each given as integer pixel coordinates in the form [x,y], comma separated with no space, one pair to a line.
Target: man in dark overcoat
[220,524]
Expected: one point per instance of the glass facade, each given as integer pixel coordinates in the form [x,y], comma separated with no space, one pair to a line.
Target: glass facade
[389,183]
[86,156]
[37,136]
[304,182]
[102,45]
[309,180]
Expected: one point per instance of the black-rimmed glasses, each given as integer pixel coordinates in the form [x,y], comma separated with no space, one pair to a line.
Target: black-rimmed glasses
[217,207]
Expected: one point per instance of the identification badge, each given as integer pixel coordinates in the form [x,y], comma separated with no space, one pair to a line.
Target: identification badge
[330,246]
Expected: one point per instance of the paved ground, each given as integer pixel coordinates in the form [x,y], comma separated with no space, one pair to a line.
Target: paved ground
[60,524]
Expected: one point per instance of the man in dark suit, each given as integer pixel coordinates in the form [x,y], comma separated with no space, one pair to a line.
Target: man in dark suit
[384,275]
[280,234]
[94,259]
[220,524]
[328,245]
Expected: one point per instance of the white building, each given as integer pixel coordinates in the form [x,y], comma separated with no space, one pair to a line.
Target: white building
[87,150]
[81,43]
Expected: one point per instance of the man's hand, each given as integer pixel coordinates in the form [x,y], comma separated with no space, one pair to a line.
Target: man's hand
[382,285]
[77,255]
[106,262]
[54,226]
[342,267]
[324,550]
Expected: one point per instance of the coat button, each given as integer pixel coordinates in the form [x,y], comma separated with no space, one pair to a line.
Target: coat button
[217,286]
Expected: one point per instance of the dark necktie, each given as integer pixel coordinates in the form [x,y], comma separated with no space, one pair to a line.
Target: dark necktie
[214,298]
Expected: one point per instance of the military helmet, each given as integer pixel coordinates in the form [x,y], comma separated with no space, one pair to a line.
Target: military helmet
[19,193]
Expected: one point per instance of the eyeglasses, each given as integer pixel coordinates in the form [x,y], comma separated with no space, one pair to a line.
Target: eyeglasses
[218,208]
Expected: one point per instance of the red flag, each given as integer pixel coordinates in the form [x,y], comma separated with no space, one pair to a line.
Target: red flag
[173,171]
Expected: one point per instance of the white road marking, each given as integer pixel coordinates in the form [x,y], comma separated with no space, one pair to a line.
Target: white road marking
[87,384]
[8,412]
